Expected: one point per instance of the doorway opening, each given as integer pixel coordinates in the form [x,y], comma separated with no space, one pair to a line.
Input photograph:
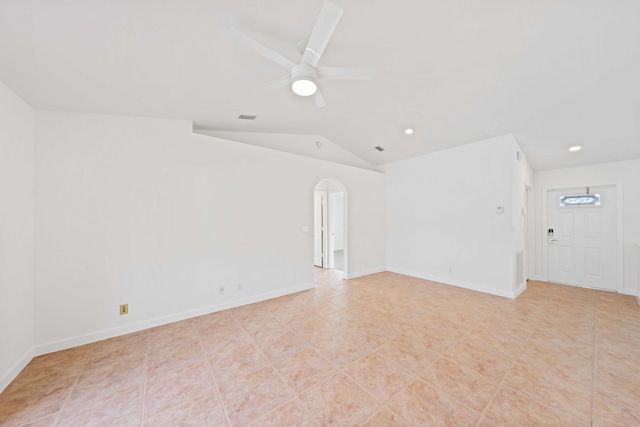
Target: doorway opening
[582,231]
[330,246]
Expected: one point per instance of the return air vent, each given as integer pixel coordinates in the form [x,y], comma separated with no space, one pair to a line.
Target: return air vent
[246,117]
[377,147]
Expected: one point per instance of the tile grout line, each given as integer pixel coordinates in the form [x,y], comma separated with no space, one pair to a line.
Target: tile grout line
[73,387]
[310,346]
[295,395]
[383,405]
[215,382]
[334,373]
[506,374]
[145,364]
[524,391]
[416,377]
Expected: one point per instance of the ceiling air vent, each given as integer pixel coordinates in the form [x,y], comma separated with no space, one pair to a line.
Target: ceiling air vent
[377,147]
[246,117]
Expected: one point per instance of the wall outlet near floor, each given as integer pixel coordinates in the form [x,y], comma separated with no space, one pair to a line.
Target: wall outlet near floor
[221,290]
[124,309]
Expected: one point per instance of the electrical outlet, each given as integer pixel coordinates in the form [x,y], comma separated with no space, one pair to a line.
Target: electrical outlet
[221,290]
[124,309]
[239,286]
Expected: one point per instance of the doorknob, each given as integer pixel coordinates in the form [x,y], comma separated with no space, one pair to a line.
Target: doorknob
[552,240]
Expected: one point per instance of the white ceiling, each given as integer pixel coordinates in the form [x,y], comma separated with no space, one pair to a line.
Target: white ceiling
[554,73]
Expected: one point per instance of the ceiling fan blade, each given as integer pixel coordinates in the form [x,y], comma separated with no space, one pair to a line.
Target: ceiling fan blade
[276,84]
[346,73]
[326,23]
[261,49]
[319,99]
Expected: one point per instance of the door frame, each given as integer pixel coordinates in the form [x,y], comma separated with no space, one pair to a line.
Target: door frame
[323,226]
[345,225]
[529,226]
[620,234]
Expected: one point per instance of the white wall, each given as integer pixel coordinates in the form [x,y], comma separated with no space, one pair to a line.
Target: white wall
[442,223]
[144,212]
[17,190]
[628,174]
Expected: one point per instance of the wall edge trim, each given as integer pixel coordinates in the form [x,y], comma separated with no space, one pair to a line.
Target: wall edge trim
[365,273]
[459,283]
[88,338]
[11,375]
[520,290]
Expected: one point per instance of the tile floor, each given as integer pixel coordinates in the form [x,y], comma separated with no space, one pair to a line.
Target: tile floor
[382,350]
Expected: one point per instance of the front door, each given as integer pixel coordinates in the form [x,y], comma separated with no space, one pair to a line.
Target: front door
[582,237]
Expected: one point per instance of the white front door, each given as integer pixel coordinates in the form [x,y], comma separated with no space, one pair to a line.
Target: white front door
[582,237]
[318,227]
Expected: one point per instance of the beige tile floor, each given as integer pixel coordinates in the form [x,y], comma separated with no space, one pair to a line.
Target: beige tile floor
[382,350]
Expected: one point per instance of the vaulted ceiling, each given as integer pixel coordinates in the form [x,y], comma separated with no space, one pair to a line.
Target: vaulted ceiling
[554,73]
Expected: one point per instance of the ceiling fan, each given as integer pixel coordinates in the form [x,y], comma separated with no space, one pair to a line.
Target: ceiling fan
[303,75]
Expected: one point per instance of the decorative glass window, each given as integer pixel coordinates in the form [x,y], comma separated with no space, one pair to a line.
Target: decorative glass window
[580,200]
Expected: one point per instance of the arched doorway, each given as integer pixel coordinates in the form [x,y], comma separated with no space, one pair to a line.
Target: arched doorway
[330,225]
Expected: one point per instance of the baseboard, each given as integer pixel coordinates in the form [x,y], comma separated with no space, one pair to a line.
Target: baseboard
[16,369]
[520,290]
[459,283]
[537,278]
[629,292]
[365,273]
[159,321]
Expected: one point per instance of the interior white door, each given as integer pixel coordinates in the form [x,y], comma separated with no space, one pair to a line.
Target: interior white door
[582,237]
[318,234]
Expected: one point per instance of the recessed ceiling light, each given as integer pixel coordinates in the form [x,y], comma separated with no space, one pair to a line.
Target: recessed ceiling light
[408,131]
[575,148]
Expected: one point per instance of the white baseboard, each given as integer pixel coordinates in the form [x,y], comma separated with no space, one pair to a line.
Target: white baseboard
[365,273]
[16,368]
[159,321]
[629,292]
[460,284]
[538,278]
[520,290]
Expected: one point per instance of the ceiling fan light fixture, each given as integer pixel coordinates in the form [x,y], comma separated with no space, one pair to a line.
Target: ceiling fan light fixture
[303,79]
[304,86]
